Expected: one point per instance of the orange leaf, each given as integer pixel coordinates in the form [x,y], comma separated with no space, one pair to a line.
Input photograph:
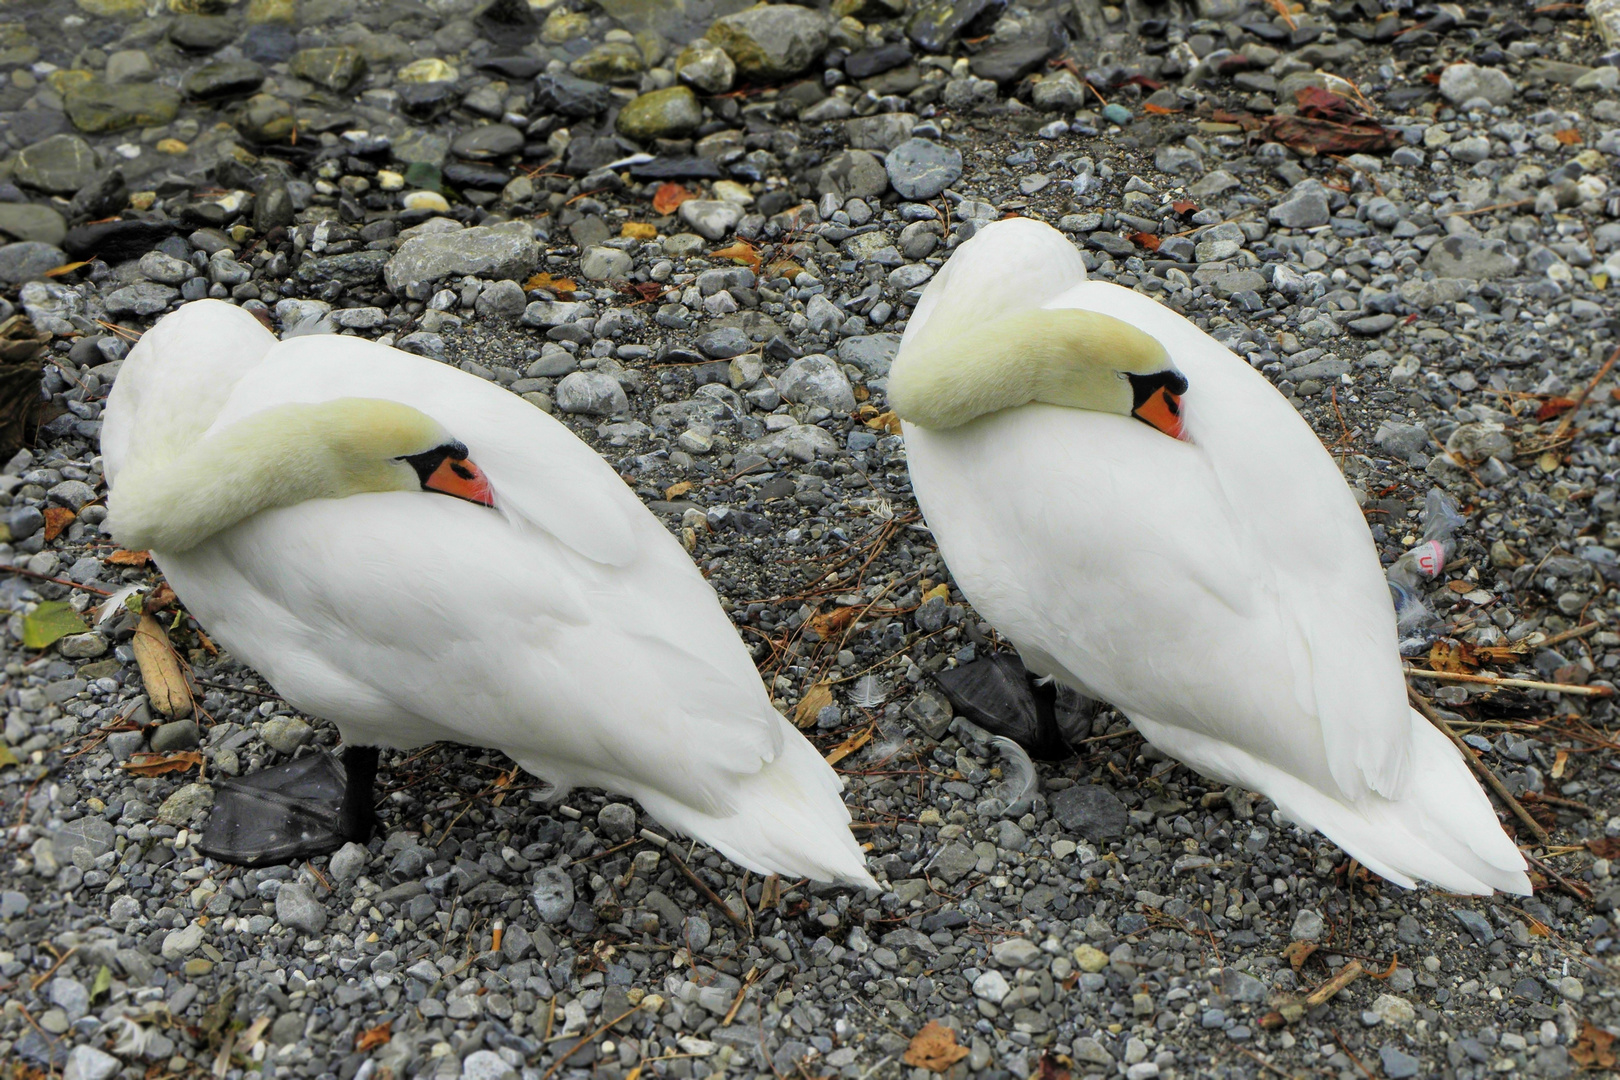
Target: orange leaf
[57,518]
[129,558]
[1182,206]
[1299,952]
[1147,240]
[886,422]
[742,251]
[640,230]
[830,624]
[669,196]
[1158,110]
[1594,1049]
[371,1038]
[1568,136]
[1554,407]
[850,745]
[934,1048]
[675,491]
[560,285]
[157,764]
[783,268]
[65,268]
[815,699]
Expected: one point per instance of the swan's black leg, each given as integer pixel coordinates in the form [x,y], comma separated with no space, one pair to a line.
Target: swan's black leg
[309,806]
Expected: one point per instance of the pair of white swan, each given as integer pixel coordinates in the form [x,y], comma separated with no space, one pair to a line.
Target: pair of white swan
[416,555]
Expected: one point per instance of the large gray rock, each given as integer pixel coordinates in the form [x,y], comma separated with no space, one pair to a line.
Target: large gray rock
[711,219]
[1305,208]
[1470,257]
[507,250]
[591,393]
[297,908]
[921,169]
[552,894]
[851,174]
[30,221]
[1464,82]
[60,165]
[775,42]
[1091,811]
[605,264]
[817,380]
[141,298]
[880,131]
[28,261]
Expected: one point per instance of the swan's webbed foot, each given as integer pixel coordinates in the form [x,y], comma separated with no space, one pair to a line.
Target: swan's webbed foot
[307,807]
[1001,696]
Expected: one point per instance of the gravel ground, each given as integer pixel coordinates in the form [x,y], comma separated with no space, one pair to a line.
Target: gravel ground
[1430,290]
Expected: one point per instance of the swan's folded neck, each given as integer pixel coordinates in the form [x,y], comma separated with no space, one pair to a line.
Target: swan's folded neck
[174,500]
[956,370]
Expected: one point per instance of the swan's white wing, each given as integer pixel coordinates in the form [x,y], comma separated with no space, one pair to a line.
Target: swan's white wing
[177,377]
[408,617]
[541,473]
[1285,500]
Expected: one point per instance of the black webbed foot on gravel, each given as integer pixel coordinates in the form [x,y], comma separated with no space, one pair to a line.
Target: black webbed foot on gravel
[1000,695]
[307,807]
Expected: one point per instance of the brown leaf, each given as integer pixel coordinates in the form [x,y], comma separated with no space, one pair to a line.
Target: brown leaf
[1452,656]
[1594,1049]
[669,196]
[815,699]
[66,268]
[639,230]
[165,682]
[158,599]
[850,745]
[675,491]
[1606,847]
[1299,952]
[1158,110]
[159,764]
[1568,136]
[57,518]
[934,1048]
[1146,240]
[1054,1067]
[1554,407]
[829,624]
[885,422]
[129,558]
[560,285]
[371,1038]
[1182,206]
[742,251]
[783,268]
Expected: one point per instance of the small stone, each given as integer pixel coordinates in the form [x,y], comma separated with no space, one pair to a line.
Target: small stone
[265,118]
[1016,953]
[175,735]
[1461,83]
[28,261]
[1476,924]
[285,734]
[178,944]
[1393,1010]
[552,894]
[507,250]
[222,79]
[920,169]
[1305,208]
[605,264]
[992,987]
[1571,988]
[1060,92]
[1470,257]
[486,1065]
[337,67]
[710,218]
[90,1063]
[817,380]
[498,300]
[617,820]
[348,861]
[1094,812]
[97,106]
[1090,959]
[1308,926]
[1397,1063]
[696,933]
[851,174]
[487,141]
[31,222]
[661,114]
[186,804]
[592,393]
[771,42]
[706,66]
[297,908]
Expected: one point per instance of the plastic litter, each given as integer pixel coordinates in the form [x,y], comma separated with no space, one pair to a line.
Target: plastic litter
[1416,624]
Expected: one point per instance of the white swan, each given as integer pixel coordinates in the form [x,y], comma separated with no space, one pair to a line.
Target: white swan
[1207,571]
[417,555]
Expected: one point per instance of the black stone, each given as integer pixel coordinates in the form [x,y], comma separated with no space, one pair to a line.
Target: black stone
[470,174]
[1008,61]
[224,78]
[1091,811]
[269,43]
[116,241]
[934,24]
[510,24]
[589,153]
[513,67]
[426,100]
[682,168]
[355,268]
[101,197]
[875,61]
[273,207]
[570,96]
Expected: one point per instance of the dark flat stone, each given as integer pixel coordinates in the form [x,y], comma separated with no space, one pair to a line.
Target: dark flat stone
[116,241]
[686,168]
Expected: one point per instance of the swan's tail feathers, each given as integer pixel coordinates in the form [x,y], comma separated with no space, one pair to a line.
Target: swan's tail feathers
[1443,830]
[789,820]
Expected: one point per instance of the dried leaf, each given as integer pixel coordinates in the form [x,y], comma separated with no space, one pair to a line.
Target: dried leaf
[49,623]
[742,251]
[1329,124]
[1183,206]
[1554,407]
[1055,1067]
[1147,240]
[1158,110]
[1594,1049]
[1606,847]
[165,683]
[66,268]
[815,699]
[1453,656]
[639,230]
[851,744]
[371,1038]
[934,1048]
[57,518]
[1560,763]
[129,558]
[675,491]
[560,285]
[829,624]
[1299,952]
[942,590]
[7,758]
[1568,136]
[669,196]
[158,599]
[887,421]
[159,764]
[783,268]
[102,983]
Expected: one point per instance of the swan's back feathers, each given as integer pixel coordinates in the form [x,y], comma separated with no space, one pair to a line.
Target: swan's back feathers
[177,377]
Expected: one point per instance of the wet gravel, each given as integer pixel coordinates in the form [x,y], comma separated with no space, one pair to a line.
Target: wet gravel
[488,186]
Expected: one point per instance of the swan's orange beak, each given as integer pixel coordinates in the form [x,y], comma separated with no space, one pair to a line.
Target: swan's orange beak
[461,478]
[1162,410]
